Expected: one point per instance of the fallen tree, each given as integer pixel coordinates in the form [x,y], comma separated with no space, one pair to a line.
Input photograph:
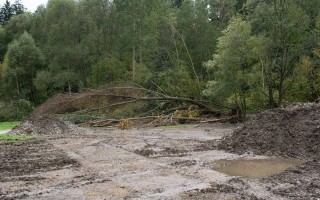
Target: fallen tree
[102,107]
[150,119]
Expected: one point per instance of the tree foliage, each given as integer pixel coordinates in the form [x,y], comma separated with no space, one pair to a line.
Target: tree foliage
[24,59]
[253,53]
[8,10]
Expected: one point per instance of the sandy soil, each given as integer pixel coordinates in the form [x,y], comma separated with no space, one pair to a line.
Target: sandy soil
[153,163]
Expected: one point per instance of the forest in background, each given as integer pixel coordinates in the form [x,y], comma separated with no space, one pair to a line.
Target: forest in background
[256,54]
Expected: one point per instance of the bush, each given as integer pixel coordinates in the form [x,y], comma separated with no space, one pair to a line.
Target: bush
[178,82]
[15,110]
[108,70]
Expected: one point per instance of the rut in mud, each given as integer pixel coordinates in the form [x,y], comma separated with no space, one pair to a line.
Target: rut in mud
[151,163]
[29,157]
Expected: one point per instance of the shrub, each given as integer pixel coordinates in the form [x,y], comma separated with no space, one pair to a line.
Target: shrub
[15,110]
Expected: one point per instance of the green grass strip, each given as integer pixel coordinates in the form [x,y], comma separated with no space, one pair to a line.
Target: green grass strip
[8,125]
[10,137]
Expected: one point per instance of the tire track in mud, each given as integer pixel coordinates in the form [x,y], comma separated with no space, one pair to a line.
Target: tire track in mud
[110,165]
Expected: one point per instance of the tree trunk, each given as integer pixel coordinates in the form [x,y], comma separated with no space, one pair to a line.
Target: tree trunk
[280,91]
[17,84]
[134,63]
[270,96]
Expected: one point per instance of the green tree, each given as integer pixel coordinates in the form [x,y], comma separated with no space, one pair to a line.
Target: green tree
[222,11]
[18,7]
[18,25]
[233,63]
[307,83]
[25,58]
[6,12]
[285,26]
[107,71]
[65,50]
[3,43]
[195,35]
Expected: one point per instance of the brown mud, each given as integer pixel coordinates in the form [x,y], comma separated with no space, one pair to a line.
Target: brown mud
[149,163]
[28,157]
[160,163]
[288,132]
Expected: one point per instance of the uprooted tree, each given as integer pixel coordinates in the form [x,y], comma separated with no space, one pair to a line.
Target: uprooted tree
[111,105]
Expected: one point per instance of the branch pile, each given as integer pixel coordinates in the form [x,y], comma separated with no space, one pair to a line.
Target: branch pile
[111,105]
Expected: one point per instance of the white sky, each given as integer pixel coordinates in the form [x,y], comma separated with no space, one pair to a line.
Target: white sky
[31,5]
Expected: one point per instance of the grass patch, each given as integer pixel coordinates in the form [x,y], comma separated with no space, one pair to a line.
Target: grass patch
[173,126]
[8,125]
[9,137]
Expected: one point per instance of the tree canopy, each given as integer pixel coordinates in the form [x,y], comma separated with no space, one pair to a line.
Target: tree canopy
[251,53]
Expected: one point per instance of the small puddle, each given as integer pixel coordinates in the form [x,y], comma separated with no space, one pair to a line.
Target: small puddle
[255,168]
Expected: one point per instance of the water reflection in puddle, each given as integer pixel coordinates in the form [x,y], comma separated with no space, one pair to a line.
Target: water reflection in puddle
[255,168]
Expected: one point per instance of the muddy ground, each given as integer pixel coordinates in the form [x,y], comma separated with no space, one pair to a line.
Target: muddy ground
[151,163]
[290,132]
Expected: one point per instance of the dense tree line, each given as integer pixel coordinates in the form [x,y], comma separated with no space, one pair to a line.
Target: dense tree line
[253,53]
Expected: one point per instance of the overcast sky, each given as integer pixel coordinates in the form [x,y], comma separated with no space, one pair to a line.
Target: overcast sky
[31,5]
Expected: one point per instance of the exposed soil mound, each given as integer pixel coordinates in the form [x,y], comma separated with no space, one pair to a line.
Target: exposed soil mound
[42,125]
[290,132]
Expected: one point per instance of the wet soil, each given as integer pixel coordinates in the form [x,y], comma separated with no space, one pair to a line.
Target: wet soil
[298,183]
[288,132]
[151,163]
[28,157]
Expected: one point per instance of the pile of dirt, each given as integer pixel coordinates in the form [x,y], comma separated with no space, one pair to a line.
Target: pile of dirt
[289,132]
[42,125]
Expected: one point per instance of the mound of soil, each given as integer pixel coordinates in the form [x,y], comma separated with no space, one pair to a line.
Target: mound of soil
[42,125]
[290,132]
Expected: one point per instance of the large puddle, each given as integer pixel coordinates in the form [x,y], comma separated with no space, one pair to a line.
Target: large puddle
[255,168]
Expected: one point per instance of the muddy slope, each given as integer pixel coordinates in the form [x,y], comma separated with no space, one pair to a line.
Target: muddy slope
[290,132]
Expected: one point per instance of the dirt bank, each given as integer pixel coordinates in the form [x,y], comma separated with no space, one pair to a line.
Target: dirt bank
[289,132]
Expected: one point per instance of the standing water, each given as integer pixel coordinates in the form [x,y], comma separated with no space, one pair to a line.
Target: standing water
[255,168]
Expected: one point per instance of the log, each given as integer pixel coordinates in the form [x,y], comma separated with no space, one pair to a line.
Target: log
[107,122]
[221,120]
